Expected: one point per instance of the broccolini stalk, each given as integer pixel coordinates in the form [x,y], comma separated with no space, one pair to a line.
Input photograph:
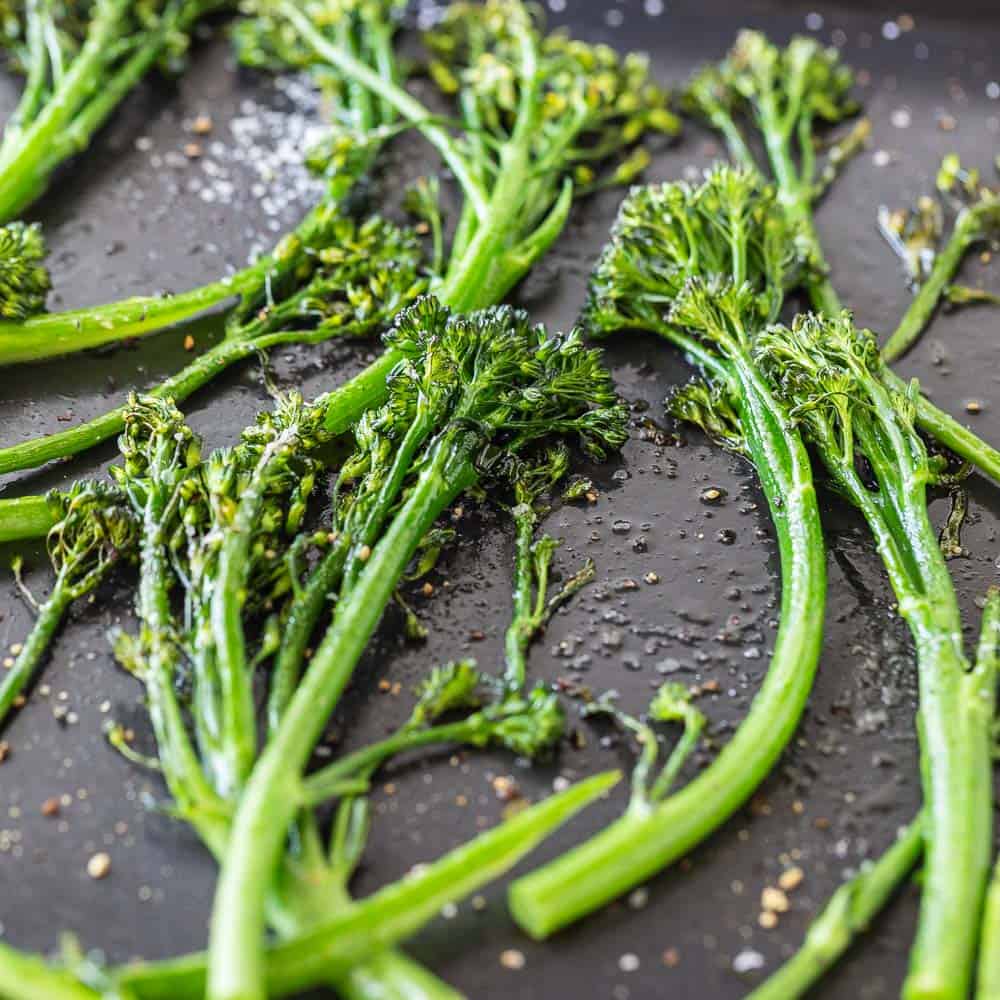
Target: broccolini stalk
[487,386]
[160,462]
[786,95]
[855,904]
[931,262]
[80,60]
[362,931]
[356,935]
[533,605]
[269,475]
[335,277]
[783,95]
[723,254]
[94,531]
[342,157]
[24,518]
[830,376]
[541,118]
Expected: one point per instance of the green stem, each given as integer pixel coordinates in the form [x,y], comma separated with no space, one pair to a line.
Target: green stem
[28,661]
[27,977]
[325,783]
[848,913]
[25,173]
[988,662]
[645,840]
[393,94]
[31,454]
[55,334]
[307,607]
[966,233]
[273,793]
[228,596]
[949,432]
[27,518]
[385,918]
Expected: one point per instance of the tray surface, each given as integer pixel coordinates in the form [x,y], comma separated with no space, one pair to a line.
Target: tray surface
[134,215]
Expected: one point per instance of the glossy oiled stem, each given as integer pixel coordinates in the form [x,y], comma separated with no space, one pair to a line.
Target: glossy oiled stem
[32,454]
[26,518]
[228,595]
[847,915]
[25,170]
[955,715]
[33,651]
[647,839]
[54,334]
[274,794]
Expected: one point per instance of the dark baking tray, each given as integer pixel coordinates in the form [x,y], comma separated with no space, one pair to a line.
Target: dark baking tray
[119,224]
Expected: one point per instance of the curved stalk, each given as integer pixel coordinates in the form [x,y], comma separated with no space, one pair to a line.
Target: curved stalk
[647,838]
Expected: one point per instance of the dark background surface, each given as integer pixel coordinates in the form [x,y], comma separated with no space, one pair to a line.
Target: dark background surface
[132,216]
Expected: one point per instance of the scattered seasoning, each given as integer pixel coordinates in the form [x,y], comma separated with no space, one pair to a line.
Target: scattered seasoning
[50,807]
[189,343]
[774,900]
[427,589]
[713,494]
[4,750]
[505,788]
[193,150]
[512,959]
[791,878]
[477,635]
[768,920]
[202,125]
[629,962]
[99,866]
[652,577]
[671,958]
[748,960]
[973,406]
[365,553]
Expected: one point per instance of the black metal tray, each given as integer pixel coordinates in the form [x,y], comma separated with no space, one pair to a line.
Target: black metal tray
[130,216]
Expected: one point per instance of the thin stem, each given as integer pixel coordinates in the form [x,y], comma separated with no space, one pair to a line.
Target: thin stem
[946,264]
[273,794]
[385,918]
[324,784]
[25,175]
[643,842]
[988,665]
[29,660]
[307,607]
[31,454]
[392,93]
[848,914]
